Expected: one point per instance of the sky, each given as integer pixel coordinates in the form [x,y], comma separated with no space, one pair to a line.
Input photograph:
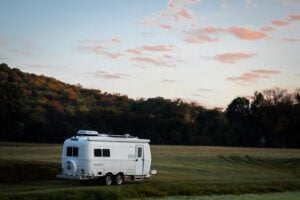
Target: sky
[203,51]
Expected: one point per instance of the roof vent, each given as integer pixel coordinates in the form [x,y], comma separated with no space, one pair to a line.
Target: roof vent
[122,136]
[87,133]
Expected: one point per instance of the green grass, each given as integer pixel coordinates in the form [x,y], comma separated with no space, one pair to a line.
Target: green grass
[27,171]
[269,196]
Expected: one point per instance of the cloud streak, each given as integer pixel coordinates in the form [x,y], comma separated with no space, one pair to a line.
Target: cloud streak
[134,51]
[107,75]
[294,17]
[210,33]
[232,58]
[290,40]
[254,75]
[100,47]
[152,61]
[267,29]
[183,13]
[165,26]
[246,33]
[198,37]
[157,47]
[280,23]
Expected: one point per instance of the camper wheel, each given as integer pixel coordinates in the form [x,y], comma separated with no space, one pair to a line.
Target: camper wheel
[119,179]
[108,179]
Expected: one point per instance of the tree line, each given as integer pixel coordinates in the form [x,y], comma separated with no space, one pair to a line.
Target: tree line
[42,109]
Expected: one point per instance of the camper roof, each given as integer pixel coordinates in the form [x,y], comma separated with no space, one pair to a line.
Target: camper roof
[95,136]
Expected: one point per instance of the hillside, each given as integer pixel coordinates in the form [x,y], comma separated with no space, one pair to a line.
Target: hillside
[42,109]
[39,108]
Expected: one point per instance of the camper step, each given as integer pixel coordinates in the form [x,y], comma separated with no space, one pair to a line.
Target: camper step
[137,178]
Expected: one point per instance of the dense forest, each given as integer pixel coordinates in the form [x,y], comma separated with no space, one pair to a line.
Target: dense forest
[42,109]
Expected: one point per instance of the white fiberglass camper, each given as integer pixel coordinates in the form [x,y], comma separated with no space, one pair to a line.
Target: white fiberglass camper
[90,155]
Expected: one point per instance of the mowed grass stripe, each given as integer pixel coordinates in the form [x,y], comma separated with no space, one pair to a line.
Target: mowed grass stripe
[269,196]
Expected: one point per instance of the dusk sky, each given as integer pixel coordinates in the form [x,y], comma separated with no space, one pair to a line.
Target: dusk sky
[206,51]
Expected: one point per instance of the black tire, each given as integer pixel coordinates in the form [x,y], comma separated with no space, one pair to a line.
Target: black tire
[119,179]
[108,179]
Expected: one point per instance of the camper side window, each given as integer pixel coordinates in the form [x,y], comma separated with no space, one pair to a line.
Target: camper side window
[97,153]
[106,153]
[69,151]
[75,151]
[101,152]
[72,151]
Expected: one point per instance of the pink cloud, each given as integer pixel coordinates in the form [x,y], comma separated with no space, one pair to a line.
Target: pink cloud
[266,28]
[99,50]
[111,55]
[176,3]
[291,2]
[199,36]
[211,29]
[155,22]
[294,17]
[246,77]
[183,13]
[200,39]
[134,51]
[265,72]
[107,75]
[168,56]
[165,26]
[232,57]
[254,75]
[100,47]
[149,21]
[246,34]
[176,11]
[290,40]
[153,61]
[204,34]
[192,1]
[115,40]
[157,48]
[280,23]
[147,60]
[171,4]
[94,49]
[103,42]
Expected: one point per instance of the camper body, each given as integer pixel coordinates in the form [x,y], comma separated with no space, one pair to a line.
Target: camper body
[90,155]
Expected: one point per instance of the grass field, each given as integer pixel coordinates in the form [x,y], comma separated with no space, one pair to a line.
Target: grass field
[268,196]
[27,171]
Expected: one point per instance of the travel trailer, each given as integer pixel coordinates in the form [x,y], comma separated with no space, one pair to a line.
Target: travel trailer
[93,156]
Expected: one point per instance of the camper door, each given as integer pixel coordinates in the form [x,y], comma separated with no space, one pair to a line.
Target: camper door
[139,153]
